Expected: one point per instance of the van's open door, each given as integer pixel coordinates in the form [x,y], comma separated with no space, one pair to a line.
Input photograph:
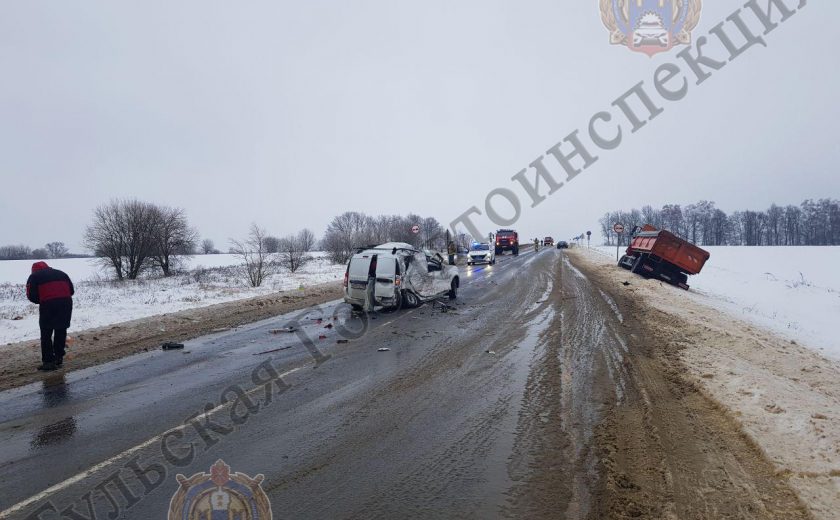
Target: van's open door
[360,267]
[387,277]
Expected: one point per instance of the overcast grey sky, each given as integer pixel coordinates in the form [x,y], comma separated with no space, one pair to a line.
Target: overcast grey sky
[287,113]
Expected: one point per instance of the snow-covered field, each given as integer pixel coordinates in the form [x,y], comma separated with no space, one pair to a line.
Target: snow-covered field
[794,291]
[99,300]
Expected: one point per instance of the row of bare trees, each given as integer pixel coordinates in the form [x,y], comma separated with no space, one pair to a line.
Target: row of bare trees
[353,229]
[22,252]
[132,236]
[262,255]
[812,223]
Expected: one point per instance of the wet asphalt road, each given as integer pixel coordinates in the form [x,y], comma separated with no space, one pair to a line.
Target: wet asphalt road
[434,427]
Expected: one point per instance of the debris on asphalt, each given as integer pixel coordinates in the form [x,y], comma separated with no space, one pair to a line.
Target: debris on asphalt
[17,318]
[444,307]
[322,336]
[328,326]
[491,352]
[283,330]
[342,341]
[625,283]
[383,349]
[221,329]
[273,350]
[171,345]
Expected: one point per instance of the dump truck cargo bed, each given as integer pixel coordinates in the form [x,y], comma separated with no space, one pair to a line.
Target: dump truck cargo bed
[670,247]
[658,253]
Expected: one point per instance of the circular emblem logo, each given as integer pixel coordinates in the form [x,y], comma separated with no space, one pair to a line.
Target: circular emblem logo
[219,495]
[650,26]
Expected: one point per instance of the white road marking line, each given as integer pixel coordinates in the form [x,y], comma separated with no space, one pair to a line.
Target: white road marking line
[104,464]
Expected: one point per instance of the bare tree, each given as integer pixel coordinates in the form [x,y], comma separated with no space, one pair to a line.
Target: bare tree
[122,233]
[345,233]
[294,250]
[431,233]
[57,249]
[173,238]
[258,263]
[208,247]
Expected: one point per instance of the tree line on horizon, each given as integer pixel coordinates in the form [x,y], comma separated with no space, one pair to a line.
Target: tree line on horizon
[23,252]
[132,237]
[811,223]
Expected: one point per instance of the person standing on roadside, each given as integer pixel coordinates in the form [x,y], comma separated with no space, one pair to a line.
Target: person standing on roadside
[450,249]
[53,291]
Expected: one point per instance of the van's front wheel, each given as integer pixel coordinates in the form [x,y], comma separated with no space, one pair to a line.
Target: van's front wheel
[453,289]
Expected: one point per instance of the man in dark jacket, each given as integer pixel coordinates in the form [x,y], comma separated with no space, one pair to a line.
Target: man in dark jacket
[53,291]
[450,248]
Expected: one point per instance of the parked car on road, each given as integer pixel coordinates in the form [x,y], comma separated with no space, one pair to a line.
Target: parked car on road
[402,276]
[562,244]
[548,241]
[481,253]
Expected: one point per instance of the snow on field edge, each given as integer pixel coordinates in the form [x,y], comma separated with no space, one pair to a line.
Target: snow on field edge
[792,291]
[100,301]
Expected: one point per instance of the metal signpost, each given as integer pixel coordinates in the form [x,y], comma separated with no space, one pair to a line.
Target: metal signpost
[588,234]
[618,227]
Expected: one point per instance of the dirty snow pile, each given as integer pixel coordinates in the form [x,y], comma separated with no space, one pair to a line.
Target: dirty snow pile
[793,291]
[99,300]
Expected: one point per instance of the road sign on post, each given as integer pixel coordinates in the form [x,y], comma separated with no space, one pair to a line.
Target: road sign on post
[415,229]
[618,227]
[588,234]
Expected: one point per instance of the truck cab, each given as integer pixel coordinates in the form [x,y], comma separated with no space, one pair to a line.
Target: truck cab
[507,240]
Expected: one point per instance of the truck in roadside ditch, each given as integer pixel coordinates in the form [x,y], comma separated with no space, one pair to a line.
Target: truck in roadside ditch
[658,253]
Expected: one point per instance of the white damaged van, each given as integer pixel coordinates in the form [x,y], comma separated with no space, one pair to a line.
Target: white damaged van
[402,276]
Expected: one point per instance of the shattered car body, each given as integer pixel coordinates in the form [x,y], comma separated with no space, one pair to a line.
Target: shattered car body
[402,276]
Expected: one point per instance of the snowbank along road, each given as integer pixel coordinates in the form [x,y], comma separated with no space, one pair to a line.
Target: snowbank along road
[538,396]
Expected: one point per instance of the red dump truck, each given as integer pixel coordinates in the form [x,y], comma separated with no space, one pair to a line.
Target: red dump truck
[657,253]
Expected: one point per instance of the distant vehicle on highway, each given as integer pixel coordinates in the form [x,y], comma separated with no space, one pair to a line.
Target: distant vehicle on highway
[548,241]
[507,240]
[562,244]
[403,276]
[658,253]
[481,253]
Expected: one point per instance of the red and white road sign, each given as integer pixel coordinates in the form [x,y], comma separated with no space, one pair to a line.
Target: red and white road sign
[415,229]
[618,227]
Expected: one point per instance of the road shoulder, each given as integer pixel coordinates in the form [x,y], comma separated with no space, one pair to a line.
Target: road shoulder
[782,395]
[100,345]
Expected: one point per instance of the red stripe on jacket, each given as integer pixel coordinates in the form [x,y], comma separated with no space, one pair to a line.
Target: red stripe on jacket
[53,290]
